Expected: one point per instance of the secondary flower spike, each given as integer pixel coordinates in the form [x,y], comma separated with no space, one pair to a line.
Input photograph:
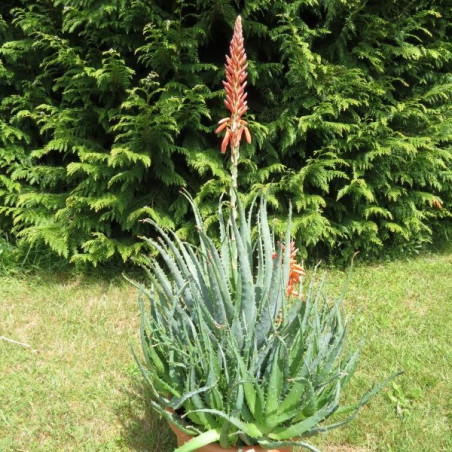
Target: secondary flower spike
[296,271]
[235,92]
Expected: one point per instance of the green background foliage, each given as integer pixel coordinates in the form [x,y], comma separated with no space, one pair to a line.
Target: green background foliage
[107,109]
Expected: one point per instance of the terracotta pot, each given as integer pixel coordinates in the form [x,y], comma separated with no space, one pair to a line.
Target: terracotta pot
[182,438]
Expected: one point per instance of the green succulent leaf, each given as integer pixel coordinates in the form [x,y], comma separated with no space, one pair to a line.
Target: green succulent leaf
[199,441]
[227,350]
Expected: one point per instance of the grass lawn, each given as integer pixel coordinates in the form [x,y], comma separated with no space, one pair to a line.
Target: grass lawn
[76,386]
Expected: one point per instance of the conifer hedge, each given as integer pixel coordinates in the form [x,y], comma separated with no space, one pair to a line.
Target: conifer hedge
[108,107]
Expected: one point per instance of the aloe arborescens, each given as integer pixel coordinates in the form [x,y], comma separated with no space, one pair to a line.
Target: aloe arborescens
[233,355]
[230,356]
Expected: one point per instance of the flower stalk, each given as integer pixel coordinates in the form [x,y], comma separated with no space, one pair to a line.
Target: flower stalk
[234,85]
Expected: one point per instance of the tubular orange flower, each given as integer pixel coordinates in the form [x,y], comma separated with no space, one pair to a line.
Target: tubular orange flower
[234,86]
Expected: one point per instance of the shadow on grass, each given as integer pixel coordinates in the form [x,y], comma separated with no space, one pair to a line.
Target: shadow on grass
[142,428]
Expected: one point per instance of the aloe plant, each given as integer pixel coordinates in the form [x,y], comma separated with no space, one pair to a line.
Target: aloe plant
[230,355]
[233,352]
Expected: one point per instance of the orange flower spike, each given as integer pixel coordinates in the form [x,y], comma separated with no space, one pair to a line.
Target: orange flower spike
[234,87]
[296,271]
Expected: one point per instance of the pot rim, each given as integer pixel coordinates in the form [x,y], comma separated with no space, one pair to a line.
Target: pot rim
[183,437]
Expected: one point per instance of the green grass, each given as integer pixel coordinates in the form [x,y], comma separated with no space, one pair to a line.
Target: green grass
[405,310]
[77,388]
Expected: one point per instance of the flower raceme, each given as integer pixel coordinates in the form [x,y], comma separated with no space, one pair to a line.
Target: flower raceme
[296,271]
[234,86]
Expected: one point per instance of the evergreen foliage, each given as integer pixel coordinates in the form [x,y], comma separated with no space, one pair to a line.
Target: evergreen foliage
[108,108]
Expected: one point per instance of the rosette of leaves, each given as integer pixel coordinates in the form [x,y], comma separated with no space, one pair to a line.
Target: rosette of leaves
[230,357]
